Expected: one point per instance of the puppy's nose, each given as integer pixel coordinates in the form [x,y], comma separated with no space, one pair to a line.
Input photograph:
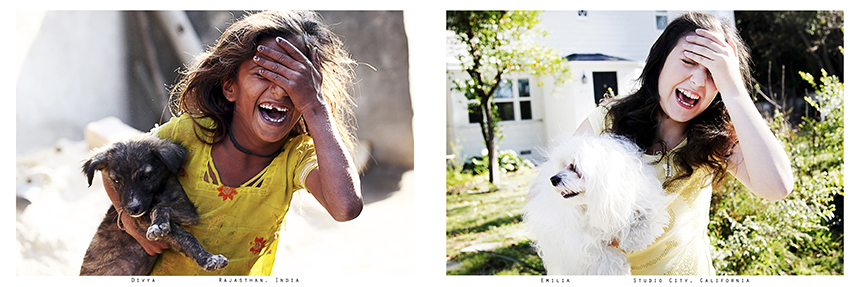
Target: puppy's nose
[135,208]
[555,179]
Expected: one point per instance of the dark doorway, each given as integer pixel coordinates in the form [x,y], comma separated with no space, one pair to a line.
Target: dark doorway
[602,82]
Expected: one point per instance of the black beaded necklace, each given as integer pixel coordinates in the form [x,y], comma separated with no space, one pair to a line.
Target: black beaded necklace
[244,150]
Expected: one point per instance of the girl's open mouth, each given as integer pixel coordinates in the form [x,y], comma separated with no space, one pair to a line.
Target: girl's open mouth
[686,98]
[272,113]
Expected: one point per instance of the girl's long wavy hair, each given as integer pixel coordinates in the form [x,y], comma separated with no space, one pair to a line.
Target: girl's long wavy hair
[710,135]
[199,90]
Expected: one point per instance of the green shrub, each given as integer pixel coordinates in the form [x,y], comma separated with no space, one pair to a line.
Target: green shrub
[803,233]
[509,161]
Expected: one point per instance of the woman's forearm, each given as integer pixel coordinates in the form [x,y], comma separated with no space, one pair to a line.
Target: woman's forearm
[760,161]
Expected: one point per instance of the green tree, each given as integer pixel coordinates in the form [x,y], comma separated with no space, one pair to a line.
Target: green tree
[784,42]
[497,43]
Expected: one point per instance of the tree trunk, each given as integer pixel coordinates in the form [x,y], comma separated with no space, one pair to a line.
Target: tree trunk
[490,139]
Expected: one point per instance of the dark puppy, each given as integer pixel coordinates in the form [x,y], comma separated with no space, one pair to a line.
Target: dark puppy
[143,173]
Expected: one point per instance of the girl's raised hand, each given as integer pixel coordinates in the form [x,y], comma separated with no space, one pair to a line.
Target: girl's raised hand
[292,71]
[719,56]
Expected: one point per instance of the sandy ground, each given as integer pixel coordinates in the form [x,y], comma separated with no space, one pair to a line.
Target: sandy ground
[57,216]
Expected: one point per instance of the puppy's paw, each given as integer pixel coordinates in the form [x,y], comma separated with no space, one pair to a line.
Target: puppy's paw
[215,262]
[157,231]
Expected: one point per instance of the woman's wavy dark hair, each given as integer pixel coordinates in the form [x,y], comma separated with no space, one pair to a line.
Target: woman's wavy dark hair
[710,135]
[199,90]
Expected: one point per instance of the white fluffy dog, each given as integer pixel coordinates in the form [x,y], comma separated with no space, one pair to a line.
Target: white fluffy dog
[593,190]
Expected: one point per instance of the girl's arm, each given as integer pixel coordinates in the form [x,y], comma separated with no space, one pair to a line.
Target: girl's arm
[759,160]
[335,183]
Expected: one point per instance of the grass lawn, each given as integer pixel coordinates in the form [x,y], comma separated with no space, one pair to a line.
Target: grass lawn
[478,213]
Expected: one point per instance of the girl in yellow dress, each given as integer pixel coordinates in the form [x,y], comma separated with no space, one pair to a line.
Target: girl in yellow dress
[263,113]
[694,117]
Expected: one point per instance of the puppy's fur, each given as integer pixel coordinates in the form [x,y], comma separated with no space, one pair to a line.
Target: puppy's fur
[143,172]
[591,190]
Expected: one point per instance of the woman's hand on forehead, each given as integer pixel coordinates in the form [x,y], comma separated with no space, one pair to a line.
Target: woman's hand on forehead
[716,54]
[292,70]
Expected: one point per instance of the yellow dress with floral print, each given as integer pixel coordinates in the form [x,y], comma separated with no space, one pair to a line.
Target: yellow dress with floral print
[684,247]
[242,223]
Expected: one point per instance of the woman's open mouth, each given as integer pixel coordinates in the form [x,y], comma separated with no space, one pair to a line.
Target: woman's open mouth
[273,113]
[686,98]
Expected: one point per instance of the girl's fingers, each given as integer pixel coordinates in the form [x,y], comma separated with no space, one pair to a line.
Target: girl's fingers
[695,57]
[315,55]
[293,61]
[697,53]
[285,82]
[275,67]
[714,38]
[283,59]
[293,52]
[706,34]
[713,42]
[297,74]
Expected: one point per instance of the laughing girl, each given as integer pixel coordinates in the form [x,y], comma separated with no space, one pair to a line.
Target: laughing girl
[263,113]
[694,117]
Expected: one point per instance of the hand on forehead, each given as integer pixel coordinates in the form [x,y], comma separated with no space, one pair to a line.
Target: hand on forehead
[271,42]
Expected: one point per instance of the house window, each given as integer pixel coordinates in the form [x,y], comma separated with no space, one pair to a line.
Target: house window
[512,101]
[505,90]
[525,110]
[474,113]
[506,111]
[523,85]
[662,19]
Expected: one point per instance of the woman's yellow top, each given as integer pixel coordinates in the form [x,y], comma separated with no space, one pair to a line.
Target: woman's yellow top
[684,249]
[242,223]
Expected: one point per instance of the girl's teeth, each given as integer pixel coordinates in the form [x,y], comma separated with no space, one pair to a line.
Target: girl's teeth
[689,95]
[687,98]
[272,107]
[273,113]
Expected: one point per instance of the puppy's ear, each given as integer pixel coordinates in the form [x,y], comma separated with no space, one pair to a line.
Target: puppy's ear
[172,155]
[96,162]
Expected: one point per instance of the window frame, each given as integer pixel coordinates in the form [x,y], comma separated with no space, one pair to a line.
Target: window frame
[657,16]
[516,100]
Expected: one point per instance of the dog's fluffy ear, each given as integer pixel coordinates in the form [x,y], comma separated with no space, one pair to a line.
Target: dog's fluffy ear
[96,162]
[608,176]
[172,155]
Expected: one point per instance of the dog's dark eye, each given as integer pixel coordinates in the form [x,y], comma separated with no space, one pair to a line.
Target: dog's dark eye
[572,167]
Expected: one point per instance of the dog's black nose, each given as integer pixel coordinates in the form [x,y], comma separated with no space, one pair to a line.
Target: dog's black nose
[135,208]
[555,179]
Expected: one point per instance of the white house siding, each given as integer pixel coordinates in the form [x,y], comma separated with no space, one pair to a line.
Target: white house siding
[624,34]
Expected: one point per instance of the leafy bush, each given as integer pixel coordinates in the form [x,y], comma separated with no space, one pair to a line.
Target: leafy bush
[509,161]
[803,233]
